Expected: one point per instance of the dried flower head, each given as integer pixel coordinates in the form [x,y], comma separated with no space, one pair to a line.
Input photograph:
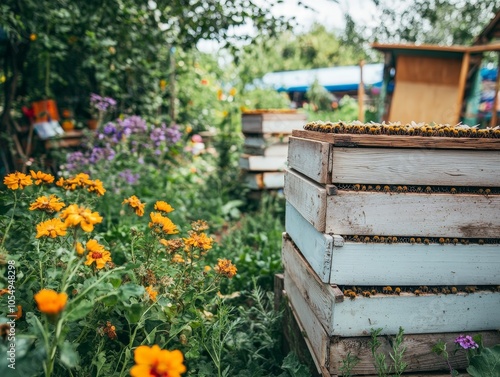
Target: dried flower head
[226,268]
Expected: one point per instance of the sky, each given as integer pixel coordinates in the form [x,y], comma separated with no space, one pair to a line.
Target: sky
[327,12]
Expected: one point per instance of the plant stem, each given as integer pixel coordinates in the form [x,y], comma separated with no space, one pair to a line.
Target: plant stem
[11,221]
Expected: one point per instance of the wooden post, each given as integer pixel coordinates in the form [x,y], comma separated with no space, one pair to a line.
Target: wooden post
[461,85]
[172,86]
[361,93]
[494,116]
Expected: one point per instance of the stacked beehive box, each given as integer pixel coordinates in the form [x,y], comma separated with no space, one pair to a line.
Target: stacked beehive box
[388,227]
[265,147]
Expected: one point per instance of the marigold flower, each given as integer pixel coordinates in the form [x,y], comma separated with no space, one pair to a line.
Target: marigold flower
[33,37]
[200,240]
[97,254]
[96,186]
[163,206]
[232,92]
[207,269]
[226,267]
[50,302]
[153,361]
[48,204]
[135,204]
[41,177]
[75,215]
[199,225]
[152,293]
[80,250]
[17,180]
[162,223]
[51,228]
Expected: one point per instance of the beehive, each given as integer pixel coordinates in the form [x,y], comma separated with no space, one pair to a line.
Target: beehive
[389,228]
[265,146]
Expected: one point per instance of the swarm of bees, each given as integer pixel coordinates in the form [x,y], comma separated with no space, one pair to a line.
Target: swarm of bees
[420,240]
[397,128]
[355,291]
[419,189]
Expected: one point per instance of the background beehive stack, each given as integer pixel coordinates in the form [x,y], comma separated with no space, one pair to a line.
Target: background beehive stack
[391,226]
[265,147]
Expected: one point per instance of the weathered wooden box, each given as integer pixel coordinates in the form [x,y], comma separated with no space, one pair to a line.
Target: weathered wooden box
[269,121]
[376,212]
[334,325]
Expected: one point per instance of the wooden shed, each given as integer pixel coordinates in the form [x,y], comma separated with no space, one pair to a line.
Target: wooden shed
[431,83]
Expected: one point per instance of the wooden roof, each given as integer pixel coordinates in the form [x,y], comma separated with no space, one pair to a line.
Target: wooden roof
[490,32]
[436,50]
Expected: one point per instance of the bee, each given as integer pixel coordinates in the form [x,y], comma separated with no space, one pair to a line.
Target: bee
[387,289]
[366,239]
[394,239]
[427,241]
[355,238]
[373,292]
[351,295]
[397,290]
[428,189]
[387,188]
[369,188]
[363,188]
[487,192]
[455,241]
[453,190]
[445,291]
[382,239]
[389,240]
[418,189]
[454,290]
[356,187]
[441,240]
[480,191]
[480,242]
[366,293]
[419,240]
[464,241]
[447,240]
[424,288]
[417,292]
[377,188]
[399,188]
[412,240]
[376,239]
[405,188]
[470,289]
[435,291]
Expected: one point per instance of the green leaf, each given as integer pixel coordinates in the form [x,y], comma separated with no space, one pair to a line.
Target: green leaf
[486,364]
[79,310]
[133,313]
[125,292]
[68,355]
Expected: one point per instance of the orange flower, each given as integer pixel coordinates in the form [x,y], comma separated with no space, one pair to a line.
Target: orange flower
[153,361]
[97,254]
[204,82]
[225,267]
[135,204]
[80,250]
[220,95]
[17,180]
[177,259]
[51,228]
[41,177]
[50,302]
[74,215]
[33,37]
[96,186]
[49,205]
[200,240]
[232,92]
[163,206]
[4,291]
[152,293]
[161,223]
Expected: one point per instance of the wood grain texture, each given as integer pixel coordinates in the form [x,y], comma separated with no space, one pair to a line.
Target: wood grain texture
[278,150]
[409,214]
[398,166]
[317,247]
[272,123]
[418,353]
[397,141]
[265,181]
[315,336]
[307,197]
[262,163]
[310,158]
[370,264]
[423,314]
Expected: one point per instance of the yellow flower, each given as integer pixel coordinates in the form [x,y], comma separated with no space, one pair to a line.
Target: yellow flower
[152,293]
[80,250]
[96,186]
[97,254]
[163,84]
[225,267]
[75,215]
[41,177]
[153,361]
[207,269]
[135,204]
[189,129]
[163,206]
[232,92]
[49,205]
[50,302]
[177,259]
[17,180]
[200,240]
[33,37]
[51,228]
[159,222]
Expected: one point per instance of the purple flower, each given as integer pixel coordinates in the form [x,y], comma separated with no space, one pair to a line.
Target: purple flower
[101,103]
[129,177]
[466,342]
[173,134]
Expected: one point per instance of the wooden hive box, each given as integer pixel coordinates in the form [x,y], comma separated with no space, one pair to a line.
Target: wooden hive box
[419,213]
[265,146]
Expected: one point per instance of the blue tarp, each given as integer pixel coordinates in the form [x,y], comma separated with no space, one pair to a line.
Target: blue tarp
[334,79]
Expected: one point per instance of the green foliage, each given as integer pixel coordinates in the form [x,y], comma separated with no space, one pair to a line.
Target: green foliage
[348,363]
[319,98]
[260,98]
[398,366]
[486,363]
